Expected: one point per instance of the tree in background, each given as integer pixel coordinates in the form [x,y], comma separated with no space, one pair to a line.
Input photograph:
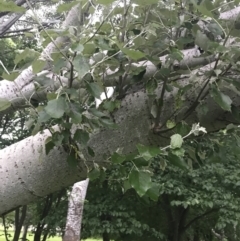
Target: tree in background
[183,205]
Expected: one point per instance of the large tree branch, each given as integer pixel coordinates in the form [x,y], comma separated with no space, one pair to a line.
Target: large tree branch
[75,211]
[27,173]
[18,3]
[18,95]
[8,24]
[200,216]
[35,166]
[22,88]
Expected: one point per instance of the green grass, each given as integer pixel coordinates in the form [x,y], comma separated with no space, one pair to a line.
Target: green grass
[30,237]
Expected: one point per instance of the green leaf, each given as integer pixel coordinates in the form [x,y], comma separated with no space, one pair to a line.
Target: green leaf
[170,124]
[81,64]
[94,174]
[96,112]
[78,48]
[59,64]
[210,204]
[103,43]
[235,33]
[169,88]
[43,81]
[153,192]
[4,104]
[140,181]
[232,81]
[36,129]
[202,8]
[202,109]
[176,141]
[140,161]
[106,27]
[29,123]
[162,164]
[66,134]
[111,105]
[151,85]
[108,123]
[117,158]
[148,152]
[131,156]
[65,7]
[82,137]
[145,2]
[51,96]
[7,6]
[102,176]
[177,161]
[89,49]
[95,89]
[72,159]
[133,54]
[215,29]
[221,99]
[76,117]
[126,185]
[202,40]
[236,112]
[11,76]
[182,128]
[165,72]
[178,152]
[49,145]
[57,138]
[26,54]
[105,2]
[90,151]
[38,65]
[56,108]
[154,110]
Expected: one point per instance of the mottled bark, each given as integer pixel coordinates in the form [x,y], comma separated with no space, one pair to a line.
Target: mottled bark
[75,211]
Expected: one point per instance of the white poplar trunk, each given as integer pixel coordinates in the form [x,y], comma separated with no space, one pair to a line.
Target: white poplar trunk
[75,211]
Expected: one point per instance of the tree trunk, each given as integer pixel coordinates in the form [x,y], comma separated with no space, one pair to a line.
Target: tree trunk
[175,231]
[105,236]
[19,220]
[183,212]
[41,223]
[5,228]
[38,233]
[75,211]
[25,231]
[196,235]
[45,235]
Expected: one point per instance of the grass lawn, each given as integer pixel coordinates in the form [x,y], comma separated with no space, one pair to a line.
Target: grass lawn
[30,237]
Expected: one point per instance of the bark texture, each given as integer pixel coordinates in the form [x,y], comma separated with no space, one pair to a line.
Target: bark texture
[28,173]
[75,211]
